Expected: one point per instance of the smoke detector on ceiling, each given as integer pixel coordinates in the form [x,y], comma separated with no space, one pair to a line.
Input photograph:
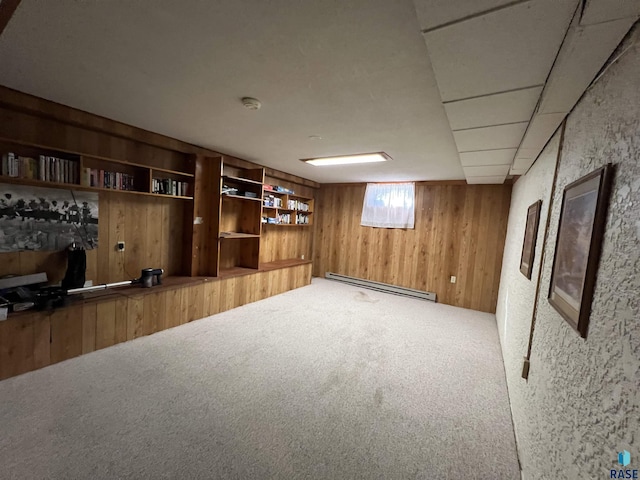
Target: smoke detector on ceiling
[251,103]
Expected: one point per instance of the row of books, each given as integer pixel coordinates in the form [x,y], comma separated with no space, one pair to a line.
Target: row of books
[298,205]
[166,186]
[285,218]
[94,177]
[272,201]
[278,219]
[45,168]
[61,170]
[302,219]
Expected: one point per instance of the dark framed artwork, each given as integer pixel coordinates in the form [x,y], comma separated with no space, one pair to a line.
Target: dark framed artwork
[577,254]
[530,237]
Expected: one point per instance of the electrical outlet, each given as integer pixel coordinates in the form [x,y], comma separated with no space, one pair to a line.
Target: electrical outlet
[302,257]
[120,246]
[453,279]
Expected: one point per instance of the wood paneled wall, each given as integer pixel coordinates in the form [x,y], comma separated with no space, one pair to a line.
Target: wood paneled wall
[151,228]
[42,130]
[201,238]
[36,339]
[459,230]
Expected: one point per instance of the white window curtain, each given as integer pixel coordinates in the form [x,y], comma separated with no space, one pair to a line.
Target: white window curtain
[389,205]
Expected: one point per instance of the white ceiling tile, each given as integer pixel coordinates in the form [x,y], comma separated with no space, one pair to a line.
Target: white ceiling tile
[495,179]
[488,157]
[598,11]
[527,152]
[500,108]
[523,163]
[490,138]
[433,13]
[540,130]
[507,49]
[486,171]
[584,52]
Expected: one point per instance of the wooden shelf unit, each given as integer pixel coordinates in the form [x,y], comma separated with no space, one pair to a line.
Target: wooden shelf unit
[228,233]
[289,214]
[240,217]
[118,175]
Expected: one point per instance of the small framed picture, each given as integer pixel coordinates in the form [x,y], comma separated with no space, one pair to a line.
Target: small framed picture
[530,237]
[575,262]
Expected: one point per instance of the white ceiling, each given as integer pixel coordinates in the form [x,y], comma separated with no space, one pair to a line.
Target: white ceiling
[436,85]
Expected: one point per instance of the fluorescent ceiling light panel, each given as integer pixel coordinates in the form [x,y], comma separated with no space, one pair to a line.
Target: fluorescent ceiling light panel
[348,159]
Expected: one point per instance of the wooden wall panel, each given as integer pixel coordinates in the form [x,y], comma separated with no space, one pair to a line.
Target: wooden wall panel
[154,317]
[24,344]
[66,333]
[105,324]
[121,320]
[202,244]
[194,309]
[141,222]
[175,304]
[282,243]
[25,127]
[211,300]
[135,317]
[89,323]
[459,230]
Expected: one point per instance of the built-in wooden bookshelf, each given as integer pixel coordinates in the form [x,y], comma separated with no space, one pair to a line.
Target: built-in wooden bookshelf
[229,212]
[240,217]
[286,210]
[38,165]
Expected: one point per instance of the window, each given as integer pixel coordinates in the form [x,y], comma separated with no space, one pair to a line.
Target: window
[389,205]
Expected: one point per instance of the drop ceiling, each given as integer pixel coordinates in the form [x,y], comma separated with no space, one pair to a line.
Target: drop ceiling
[449,90]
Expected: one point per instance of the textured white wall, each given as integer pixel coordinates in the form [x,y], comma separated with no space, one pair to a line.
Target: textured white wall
[581,404]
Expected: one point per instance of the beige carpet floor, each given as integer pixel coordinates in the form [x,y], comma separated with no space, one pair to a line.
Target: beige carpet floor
[327,381]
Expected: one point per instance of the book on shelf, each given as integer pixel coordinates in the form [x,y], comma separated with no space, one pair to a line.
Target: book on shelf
[42,172]
[284,218]
[44,168]
[302,219]
[272,201]
[93,177]
[298,205]
[167,186]
[279,189]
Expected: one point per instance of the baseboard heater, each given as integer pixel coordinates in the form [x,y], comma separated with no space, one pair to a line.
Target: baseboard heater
[382,287]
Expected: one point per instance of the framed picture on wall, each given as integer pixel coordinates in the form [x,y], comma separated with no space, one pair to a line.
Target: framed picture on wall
[530,237]
[580,232]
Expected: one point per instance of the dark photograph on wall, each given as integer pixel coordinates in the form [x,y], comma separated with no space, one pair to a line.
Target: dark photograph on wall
[575,263]
[41,219]
[530,237]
